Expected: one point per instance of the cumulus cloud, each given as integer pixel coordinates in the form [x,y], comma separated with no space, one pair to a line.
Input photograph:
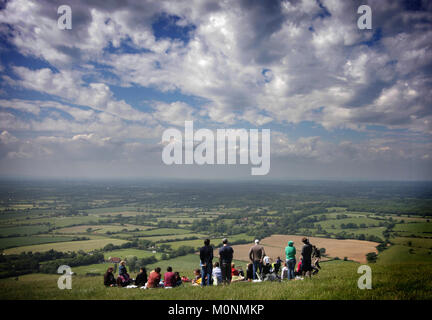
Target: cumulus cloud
[274,63]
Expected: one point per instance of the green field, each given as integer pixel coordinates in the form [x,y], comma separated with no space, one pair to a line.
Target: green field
[336,280]
[32,240]
[124,253]
[420,228]
[22,230]
[86,245]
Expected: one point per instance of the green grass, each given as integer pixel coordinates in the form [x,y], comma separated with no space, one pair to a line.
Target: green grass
[414,228]
[398,253]
[124,253]
[415,242]
[336,280]
[86,245]
[32,240]
[22,230]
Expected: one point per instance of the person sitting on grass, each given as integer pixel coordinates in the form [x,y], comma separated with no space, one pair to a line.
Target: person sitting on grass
[141,278]
[154,279]
[169,278]
[217,274]
[197,280]
[178,279]
[234,271]
[249,272]
[123,278]
[235,274]
[284,272]
[277,265]
[109,279]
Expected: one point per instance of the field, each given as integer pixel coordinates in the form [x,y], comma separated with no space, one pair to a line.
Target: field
[337,280]
[86,245]
[275,246]
[164,225]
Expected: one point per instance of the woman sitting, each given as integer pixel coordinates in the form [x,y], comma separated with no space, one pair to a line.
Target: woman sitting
[109,279]
[141,278]
[123,278]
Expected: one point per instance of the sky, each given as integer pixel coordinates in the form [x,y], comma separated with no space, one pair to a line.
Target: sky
[94,101]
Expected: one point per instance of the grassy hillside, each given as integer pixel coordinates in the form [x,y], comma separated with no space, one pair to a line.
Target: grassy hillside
[337,280]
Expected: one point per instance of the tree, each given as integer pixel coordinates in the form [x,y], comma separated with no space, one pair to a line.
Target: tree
[371,257]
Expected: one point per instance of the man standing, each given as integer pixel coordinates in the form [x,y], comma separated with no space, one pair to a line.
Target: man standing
[206,256]
[256,255]
[307,257]
[225,258]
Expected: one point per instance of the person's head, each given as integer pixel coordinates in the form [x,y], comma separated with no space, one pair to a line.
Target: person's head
[285,264]
[110,270]
[122,263]
[158,270]
[250,266]
[207,242]
[290,243]
[169,269]
[177,274]
[256,241]
[142,270]
[197,272]
[278,258]
[305,240]
[225,241]
[216,264]
[232,265]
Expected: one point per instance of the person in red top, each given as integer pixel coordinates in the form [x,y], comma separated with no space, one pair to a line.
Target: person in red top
[169,278]
[154,278]
[234,271]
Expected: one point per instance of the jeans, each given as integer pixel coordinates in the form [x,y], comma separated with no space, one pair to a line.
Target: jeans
[206,271]
[226,272]
[291,266]
[257,265]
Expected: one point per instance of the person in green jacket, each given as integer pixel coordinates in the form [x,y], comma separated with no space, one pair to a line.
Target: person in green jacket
[290,255]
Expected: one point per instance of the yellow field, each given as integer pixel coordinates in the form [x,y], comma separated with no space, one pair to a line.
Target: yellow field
[274,246]
[86,245]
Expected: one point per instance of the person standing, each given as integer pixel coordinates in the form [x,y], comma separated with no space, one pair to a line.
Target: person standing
[206,257]
[225,258]
[290,257]
[256,255]
[306,258]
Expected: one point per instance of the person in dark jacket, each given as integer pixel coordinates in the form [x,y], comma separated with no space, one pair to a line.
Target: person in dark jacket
[206,257]
[109,279]
[306,257]
[225,258]
[141,278]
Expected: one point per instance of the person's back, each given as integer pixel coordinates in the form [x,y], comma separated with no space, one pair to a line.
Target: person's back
[256,252]
[141,278]
[169,279]
[307,252]
[226,254]
[206,254]
[109,279]
[154,278]
[217,273]
[290,251]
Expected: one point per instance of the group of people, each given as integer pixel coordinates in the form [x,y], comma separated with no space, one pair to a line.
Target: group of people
[224,271]
[153,280]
